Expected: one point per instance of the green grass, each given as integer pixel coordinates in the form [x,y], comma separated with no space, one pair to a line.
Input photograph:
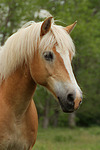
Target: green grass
[68,139]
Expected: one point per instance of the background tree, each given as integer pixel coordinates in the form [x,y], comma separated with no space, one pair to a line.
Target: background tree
[86,64]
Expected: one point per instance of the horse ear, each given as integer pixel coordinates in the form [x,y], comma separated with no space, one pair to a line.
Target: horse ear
[70,27]
[46,25]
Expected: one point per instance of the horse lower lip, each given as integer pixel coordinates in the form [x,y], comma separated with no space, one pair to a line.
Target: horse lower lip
[80,103]
[66,108]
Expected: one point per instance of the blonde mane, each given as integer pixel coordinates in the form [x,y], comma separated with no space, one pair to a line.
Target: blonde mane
[21,45]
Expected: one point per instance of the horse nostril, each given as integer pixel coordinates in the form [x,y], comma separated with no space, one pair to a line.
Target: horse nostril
[70,97]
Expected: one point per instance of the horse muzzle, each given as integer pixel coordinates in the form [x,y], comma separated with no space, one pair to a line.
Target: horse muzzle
[71,103]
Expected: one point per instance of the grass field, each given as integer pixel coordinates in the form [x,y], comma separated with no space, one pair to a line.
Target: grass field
[68,139]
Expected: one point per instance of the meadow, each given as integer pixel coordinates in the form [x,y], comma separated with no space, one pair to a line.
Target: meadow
[68,139]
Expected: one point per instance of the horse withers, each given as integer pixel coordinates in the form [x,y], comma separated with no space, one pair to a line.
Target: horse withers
[38,53]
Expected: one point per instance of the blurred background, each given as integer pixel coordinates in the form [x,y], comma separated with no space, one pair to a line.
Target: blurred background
[86,66]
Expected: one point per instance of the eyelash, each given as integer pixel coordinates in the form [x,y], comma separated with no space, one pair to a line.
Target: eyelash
[48,56]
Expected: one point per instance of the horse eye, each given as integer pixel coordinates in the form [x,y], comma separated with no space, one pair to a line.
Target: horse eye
[48,56]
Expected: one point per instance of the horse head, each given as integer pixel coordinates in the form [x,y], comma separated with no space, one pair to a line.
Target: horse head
[51,64]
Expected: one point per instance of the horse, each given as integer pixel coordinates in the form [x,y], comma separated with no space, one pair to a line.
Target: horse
[38,53]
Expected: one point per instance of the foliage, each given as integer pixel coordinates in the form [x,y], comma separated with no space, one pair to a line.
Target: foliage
[70,139]
[86,64]
[86,36]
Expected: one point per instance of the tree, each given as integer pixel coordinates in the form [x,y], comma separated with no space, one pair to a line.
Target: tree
[86,64]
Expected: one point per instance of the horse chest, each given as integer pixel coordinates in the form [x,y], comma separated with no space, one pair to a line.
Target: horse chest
[15,140]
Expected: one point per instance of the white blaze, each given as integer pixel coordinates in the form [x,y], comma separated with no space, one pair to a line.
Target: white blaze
[66,59]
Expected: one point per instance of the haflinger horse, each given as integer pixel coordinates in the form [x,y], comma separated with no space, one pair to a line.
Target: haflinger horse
[38,53]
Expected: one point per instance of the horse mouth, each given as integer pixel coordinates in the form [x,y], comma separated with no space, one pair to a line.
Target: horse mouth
[66,106]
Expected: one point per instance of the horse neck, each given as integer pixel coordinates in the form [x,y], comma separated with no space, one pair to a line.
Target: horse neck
[18,89]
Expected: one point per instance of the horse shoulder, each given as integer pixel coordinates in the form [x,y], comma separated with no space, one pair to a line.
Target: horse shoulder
[17,133]
[32,122]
